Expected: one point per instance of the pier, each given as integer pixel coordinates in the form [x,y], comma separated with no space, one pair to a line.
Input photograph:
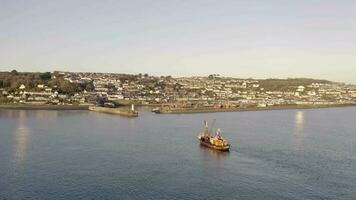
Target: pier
[116,111]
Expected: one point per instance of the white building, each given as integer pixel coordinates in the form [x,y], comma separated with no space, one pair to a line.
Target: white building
[300,88]
[22,87]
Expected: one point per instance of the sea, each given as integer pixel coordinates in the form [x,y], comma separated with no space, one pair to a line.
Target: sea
[275,154]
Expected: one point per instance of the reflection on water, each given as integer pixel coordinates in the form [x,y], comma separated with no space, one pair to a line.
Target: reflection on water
[46,115]
[22,136]
[298,136]
[213,160]
[299,121]
[39,114]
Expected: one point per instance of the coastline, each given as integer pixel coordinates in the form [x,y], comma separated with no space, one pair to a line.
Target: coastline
[214,110]
[43,107]
[174,110]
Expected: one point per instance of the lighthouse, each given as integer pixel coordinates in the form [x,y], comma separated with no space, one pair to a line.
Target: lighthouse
[132,107]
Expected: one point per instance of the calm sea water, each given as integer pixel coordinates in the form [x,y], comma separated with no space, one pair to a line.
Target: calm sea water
[289,154]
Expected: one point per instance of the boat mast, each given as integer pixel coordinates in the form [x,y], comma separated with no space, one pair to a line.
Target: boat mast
[212,125]
[206,128]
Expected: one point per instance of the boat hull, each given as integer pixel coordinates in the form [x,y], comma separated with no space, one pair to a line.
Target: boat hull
[219,148]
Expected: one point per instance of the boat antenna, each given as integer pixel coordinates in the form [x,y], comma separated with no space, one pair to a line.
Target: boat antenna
[218,132]
[206,128]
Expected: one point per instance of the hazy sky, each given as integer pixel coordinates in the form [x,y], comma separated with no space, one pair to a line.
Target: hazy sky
[259,39]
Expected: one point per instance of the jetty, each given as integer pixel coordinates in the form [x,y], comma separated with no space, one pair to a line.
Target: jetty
[116,111]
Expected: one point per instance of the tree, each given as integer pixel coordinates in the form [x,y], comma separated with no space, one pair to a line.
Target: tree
[67,87]
[45,76]
[14,72]
[111,87]
[89,87]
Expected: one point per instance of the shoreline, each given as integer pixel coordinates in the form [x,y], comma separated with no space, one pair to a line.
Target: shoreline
[174,111]
[42,107]
[214,110]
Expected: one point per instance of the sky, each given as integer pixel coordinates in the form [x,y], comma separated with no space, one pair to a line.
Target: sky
[237,38]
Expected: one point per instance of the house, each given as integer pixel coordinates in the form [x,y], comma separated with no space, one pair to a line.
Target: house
[62,96]
[300,88]
[22,87]
[113,97]
[311,93]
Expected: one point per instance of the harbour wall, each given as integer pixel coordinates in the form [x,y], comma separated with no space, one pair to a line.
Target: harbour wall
[114,111]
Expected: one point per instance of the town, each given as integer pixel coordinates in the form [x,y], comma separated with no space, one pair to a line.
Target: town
[213,91]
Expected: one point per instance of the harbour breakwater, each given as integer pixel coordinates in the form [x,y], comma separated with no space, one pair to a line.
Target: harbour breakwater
[115,111]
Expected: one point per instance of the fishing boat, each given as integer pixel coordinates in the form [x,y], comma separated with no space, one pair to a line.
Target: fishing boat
[215,142]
